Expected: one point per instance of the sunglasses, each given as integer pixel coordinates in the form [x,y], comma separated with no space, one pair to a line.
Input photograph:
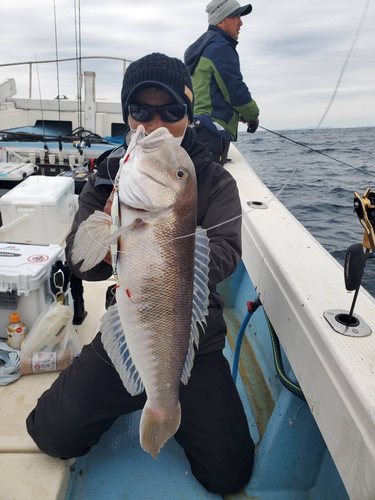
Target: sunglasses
[169,113]
[58,281]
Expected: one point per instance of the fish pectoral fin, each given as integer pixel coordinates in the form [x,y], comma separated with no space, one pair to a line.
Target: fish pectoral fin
[89,243]
[157,426]
[114,342]
[201,294]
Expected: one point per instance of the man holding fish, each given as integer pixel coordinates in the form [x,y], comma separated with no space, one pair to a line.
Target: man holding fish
[156,216]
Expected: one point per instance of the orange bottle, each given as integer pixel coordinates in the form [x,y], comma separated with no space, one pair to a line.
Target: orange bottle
[16,331]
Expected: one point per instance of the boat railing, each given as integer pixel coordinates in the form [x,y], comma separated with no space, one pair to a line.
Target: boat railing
[31,63]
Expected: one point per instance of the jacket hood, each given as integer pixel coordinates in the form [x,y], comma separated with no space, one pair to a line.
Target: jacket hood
[194,52]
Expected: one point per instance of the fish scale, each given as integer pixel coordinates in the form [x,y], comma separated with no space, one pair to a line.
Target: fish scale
[159,303]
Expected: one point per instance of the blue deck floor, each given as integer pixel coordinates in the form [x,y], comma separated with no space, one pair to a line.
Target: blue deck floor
[117,468]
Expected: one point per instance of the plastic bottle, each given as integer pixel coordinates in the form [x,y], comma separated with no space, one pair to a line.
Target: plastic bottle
[16,331]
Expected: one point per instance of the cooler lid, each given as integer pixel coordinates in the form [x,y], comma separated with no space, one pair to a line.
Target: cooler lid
[39,189]
[25,267]
[16,171]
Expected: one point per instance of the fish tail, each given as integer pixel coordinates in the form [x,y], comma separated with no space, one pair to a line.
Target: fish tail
[91,240]
[157,426]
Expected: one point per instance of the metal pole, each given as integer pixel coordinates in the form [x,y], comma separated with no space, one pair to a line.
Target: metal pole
[30,79]
[352,308]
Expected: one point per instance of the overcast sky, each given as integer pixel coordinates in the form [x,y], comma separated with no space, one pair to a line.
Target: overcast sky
[291,51]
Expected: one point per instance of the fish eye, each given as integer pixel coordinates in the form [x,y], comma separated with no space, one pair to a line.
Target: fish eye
[182,173]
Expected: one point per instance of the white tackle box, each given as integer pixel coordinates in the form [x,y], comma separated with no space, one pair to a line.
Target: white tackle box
[24,281]
[40,210]
[16,171]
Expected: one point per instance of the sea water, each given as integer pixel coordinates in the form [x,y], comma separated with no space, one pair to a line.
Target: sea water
[320,191]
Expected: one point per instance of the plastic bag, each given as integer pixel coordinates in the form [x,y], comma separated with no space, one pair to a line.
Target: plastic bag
[52,342]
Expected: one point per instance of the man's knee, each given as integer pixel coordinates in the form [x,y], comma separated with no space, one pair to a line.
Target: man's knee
[228,470]
[228,479]
[52,438]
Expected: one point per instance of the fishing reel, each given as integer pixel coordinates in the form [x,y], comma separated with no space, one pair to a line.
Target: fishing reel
[344,322]
[81,145]
[364,207]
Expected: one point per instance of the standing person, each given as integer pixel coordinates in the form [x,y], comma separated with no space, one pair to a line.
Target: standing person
[87,398]
[222,98]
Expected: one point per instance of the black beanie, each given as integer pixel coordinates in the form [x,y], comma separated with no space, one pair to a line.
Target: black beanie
[158,71]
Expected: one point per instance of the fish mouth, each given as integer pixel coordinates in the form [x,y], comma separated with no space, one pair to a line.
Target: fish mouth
[136,209]
[153,178]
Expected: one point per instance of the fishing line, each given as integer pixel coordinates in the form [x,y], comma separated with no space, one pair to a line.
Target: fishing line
[169,241]
[203,230]
[280,135]
[317,151]
[105,361]
[345,63]
[96,330]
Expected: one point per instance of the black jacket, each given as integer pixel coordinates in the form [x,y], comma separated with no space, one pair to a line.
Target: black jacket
[218,201]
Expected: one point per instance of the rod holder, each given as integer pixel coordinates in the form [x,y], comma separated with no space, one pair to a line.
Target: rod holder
[338,319]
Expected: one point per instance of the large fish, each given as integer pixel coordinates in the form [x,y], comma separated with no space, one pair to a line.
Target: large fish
[162,273]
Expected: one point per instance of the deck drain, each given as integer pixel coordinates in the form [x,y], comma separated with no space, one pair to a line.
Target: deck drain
[257,204]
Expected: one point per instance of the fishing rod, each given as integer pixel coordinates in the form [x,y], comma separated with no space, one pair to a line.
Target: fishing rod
[58,77]
[41,108]
[6,135]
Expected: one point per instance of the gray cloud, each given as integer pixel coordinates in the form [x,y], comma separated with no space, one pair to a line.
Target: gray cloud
[291,52]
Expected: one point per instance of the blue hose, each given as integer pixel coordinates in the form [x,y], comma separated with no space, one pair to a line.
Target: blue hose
[238,345]
[290,385]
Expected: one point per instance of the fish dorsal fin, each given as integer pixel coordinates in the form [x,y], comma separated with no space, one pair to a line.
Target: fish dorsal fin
[114,342]
[200,297]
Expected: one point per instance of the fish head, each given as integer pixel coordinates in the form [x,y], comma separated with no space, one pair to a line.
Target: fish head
[160,174]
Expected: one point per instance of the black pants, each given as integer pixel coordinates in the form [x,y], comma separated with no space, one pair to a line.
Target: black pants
[85,400]
[219,146]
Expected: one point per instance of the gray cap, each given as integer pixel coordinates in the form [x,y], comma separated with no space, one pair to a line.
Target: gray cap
[218,10]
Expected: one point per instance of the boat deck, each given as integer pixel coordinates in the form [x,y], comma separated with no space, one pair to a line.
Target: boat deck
[116,468]
[26,473]
[305,448]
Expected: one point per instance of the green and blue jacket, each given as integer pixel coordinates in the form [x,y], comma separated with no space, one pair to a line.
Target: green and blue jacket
[221,95]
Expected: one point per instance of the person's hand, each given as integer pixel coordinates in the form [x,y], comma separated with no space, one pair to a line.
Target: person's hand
[107,210]
[252,126]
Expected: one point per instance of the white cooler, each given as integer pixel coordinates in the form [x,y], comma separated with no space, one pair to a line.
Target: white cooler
[40,210]
[24,281]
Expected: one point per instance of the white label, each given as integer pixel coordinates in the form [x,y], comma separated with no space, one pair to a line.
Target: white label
[16,337]
[44,362]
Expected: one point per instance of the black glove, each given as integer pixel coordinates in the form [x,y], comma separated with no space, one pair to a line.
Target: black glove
[253,126]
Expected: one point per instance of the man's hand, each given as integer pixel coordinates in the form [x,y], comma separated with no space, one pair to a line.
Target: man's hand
[252,126]
[107,210]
